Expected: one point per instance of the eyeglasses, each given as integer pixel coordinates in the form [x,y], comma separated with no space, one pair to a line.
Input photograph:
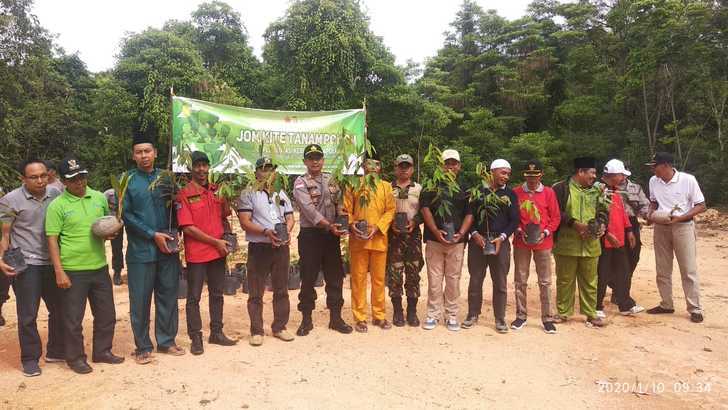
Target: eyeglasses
[37,177]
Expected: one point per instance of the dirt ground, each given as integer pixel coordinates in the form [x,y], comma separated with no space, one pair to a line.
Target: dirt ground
[645,361]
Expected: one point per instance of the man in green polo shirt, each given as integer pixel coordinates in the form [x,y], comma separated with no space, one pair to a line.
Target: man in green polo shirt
[79,262]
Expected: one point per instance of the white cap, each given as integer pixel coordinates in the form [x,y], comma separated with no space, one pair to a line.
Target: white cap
[499,163]
[450,154]
[615,166]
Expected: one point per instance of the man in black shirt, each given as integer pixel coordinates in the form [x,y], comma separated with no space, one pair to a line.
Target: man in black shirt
[445,257]
[496,216]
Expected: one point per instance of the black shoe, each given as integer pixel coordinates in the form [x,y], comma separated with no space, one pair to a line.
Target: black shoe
[117,278]
[107,357]
[518,324]
[219,338]
[657,310]
[696,317]
[31,368]
[196,346]
[304,329]
[80,366]
[412,319]
[340,326]
[549,327]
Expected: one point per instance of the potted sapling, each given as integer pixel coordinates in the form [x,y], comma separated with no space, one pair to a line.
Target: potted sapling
[533,227]
[490,205]
[231,283]
[294,275]
[13,257]
[109,225]
[401,219]
[597,226]
[444,185]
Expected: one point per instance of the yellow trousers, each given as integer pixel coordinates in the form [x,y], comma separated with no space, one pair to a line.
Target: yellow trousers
[365,262]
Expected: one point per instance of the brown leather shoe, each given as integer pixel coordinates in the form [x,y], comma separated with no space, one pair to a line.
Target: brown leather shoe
[361,327]
[383,323]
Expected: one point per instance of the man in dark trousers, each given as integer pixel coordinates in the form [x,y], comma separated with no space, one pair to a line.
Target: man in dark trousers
[202,214]
[496,217]
[319,200]
[79,262]
[150,266]
[260,211]
[23,214]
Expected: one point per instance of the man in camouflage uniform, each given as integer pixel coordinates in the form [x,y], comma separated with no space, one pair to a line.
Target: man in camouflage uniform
[319,245]
[404,259]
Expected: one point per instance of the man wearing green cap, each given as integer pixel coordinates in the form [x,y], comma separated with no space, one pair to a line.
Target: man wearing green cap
[583,220]
[152,269]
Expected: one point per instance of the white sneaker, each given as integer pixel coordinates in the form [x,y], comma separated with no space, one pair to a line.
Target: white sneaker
[429,323]
[601,315]
[453,325]
[633,311]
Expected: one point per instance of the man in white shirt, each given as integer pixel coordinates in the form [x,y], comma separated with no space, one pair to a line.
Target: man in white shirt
[677,196]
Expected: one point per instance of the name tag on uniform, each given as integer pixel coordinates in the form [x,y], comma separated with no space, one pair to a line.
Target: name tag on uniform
[194,199]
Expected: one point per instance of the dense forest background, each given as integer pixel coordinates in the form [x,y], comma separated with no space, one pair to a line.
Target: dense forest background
[619,78]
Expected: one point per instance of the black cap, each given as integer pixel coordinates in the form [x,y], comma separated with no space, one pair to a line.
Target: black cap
[661,158]
[585,162]
[312,149]
[262,162]
[142,137]
[533,168]
[198,156]
[70,167]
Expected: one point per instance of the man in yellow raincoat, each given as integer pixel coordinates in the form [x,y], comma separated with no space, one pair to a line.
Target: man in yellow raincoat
[369,222]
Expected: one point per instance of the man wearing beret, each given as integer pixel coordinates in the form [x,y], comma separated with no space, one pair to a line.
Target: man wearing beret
[583,221]
[677,195]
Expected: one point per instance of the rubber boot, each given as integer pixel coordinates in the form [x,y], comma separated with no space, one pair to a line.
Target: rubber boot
[196,347]
[412,312]
[337,323]
[398,316]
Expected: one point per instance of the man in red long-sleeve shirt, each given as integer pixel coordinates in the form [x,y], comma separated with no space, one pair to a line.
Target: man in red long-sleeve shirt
[544,200]
[614,262]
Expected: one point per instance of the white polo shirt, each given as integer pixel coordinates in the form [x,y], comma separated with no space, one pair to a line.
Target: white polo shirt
[681,191]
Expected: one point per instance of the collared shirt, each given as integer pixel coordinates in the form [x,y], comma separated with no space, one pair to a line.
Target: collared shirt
[635,199]
[265,211]
[545,201]
[407,199]
[26,214]
[378,212]
[201,207]
[110,195]
[70,218]
[314,198]
[679,195]
[146,212]
[57,184]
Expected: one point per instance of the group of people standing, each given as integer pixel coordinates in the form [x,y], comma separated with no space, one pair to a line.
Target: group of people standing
[591,228]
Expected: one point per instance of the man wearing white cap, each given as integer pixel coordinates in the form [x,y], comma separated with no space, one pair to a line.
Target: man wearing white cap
[613,263]
[494,226]
[445,257]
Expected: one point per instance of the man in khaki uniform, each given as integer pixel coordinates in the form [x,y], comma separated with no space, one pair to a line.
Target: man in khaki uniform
[319,245]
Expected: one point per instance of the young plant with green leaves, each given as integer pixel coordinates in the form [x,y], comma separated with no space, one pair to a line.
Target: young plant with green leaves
[441,182]
[483,192]
[120,185]
[349,158]
[532,210]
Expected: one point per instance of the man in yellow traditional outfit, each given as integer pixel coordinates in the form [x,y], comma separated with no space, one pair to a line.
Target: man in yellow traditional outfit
[369,222]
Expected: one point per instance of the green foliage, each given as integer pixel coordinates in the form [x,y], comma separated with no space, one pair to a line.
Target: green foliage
[120,185]
[483,193]
[441,182]
[532,210]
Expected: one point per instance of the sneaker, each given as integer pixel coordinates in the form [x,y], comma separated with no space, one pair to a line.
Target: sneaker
[696,317]
[633,311]
[595,322]
[453,325]
[500,326]
[518,324]
[657,310]
[284,335]
[601,314]
[429,323]
[256,340]
[549,327]
[31,369]
[470,321]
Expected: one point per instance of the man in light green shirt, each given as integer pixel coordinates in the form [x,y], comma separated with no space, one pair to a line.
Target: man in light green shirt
[79,262]
[576,247]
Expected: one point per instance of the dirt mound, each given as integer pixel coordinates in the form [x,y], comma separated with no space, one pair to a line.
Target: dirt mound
[713,219]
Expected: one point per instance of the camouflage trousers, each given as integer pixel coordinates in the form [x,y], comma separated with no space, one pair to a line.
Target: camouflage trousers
[404,263]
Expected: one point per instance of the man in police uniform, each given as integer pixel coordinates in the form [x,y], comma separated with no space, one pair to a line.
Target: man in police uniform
[318,199]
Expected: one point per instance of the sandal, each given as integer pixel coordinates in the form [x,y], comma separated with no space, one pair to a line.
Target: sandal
[361,327]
